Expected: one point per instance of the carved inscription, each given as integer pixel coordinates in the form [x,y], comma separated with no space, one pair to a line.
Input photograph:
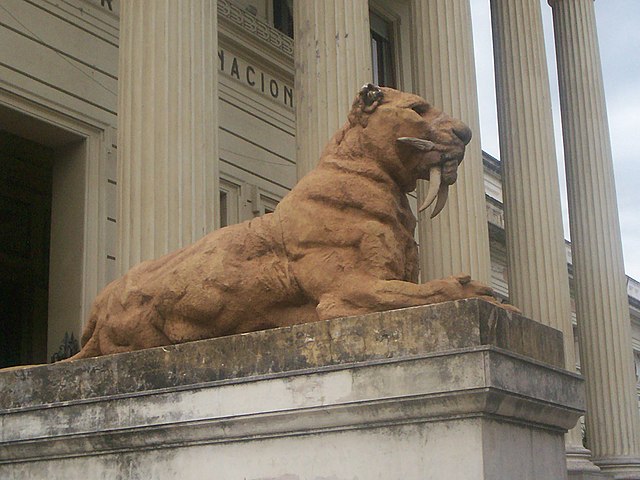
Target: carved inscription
[255,78]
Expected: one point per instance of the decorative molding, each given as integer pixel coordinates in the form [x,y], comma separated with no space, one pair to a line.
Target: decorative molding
[256,27]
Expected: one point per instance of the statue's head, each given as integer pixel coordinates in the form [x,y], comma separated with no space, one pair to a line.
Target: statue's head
[411,138]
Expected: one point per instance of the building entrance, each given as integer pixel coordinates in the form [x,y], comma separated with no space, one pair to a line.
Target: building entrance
[25,226]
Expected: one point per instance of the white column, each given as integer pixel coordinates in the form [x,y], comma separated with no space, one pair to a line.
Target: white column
[332,61]
[457,240]
[613,426]
[537,263]
[168,130]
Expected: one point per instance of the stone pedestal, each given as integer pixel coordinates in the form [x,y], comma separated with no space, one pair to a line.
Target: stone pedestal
[457,390]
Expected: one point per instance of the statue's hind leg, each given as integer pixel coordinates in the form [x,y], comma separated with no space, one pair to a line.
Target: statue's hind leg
[131,330]
[135,329]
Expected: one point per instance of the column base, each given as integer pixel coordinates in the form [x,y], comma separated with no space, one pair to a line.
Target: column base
[579,464]
[620,468]
[589,476]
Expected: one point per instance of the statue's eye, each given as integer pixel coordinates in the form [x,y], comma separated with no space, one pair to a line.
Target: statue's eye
[420,108]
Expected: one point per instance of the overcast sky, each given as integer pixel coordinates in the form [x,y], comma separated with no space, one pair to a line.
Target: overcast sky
[619,34]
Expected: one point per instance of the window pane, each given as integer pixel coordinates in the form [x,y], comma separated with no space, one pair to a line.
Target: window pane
[374,59]
[224,213]
[283,16]
[382,51]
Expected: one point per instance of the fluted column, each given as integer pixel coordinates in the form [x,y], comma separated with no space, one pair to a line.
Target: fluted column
[332,61]
[537,263]
[167,132]
[602,309]
[457,240]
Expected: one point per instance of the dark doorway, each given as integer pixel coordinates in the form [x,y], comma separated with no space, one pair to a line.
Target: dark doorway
[25,230]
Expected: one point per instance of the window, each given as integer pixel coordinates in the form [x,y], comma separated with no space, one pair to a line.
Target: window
[240,201]
[382,51]
[283,16]
[224,212]
[229,203]
[261,203]
[267,204]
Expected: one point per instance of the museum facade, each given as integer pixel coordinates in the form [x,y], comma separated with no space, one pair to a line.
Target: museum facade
[131,129]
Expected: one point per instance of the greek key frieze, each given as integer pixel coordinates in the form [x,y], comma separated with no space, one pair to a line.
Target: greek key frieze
[256,27]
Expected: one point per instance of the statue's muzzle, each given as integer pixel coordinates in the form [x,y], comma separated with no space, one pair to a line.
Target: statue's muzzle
[438,184]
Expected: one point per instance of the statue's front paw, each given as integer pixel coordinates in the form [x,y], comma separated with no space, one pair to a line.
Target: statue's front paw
[467,288]
[506,306]
[477,289]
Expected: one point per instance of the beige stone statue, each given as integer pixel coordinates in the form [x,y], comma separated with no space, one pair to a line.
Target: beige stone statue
[340,243]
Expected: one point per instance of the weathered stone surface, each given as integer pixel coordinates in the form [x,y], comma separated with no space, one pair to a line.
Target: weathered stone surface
[340,243]
[395,334]
[442,391]
[589,476]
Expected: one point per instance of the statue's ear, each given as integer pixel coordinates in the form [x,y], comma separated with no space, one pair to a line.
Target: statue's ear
[370,97]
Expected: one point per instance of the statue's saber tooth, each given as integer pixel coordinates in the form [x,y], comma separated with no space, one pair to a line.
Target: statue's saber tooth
[443,194]
[419,143]
[436,187]
[435,178]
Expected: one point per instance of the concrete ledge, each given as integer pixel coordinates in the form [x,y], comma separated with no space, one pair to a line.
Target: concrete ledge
[394,334]
[391,395]
[589,476]
[474,382]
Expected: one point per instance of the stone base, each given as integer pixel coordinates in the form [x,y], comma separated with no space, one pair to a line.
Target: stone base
[622,468]
[580,466]
[458,390]
[589,476]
